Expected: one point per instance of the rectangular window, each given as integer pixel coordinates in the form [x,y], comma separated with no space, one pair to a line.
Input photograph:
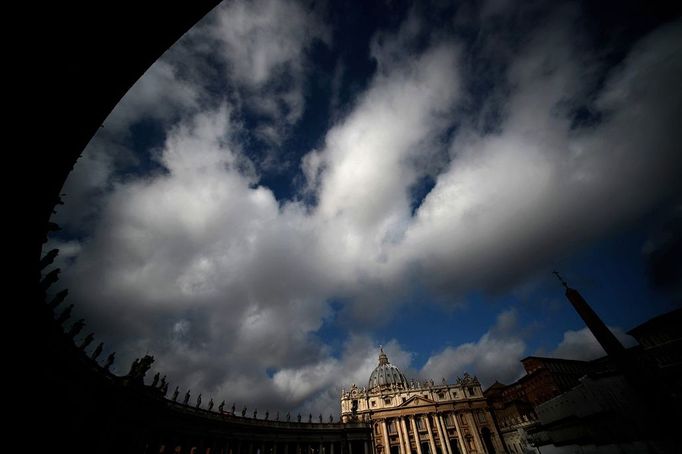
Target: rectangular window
[391,427]
[472,392]
[374,403]
[441,395]
[387,401]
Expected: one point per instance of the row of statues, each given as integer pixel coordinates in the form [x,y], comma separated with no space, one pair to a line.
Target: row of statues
[76,328]
[161,385]
[140,366]
[413,384]
[221,407]
[468,380]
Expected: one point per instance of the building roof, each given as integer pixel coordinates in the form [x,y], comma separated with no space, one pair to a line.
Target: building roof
[550,359]
[495,386]
[386,374]
[672,318]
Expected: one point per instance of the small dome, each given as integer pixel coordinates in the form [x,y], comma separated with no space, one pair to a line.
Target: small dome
[386,374]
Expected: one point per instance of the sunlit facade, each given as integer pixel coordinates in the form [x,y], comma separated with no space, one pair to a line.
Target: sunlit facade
[413,417]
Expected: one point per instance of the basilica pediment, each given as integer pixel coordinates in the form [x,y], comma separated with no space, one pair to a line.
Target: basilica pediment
[416,401]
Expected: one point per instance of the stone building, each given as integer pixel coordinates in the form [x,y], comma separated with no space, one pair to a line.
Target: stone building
[660,342]
[412,417]
[601,414]
[513,405]
[514,416]
[611,408]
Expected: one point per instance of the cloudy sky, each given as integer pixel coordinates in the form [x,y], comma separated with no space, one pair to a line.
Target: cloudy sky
[294,184]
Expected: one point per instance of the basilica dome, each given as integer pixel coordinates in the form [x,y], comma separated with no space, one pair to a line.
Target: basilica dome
[386,374]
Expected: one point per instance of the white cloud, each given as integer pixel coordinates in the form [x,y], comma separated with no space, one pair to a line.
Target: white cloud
[495,356]
[538,185]
[582,344]
[262,37]
[192,264]
[320,384]
[369,160]
[265,45]
[160,95]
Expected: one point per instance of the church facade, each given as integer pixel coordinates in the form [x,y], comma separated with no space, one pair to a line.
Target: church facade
[422,417]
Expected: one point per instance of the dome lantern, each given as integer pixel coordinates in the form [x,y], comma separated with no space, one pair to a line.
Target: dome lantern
[386,375]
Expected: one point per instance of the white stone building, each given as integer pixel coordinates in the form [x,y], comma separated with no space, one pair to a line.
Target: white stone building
[422,417]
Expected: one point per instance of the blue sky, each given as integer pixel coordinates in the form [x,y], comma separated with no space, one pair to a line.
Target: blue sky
[293,184]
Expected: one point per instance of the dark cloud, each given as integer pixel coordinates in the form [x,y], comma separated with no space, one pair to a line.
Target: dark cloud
[663,252]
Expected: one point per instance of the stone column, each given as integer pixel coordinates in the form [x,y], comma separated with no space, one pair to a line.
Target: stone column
[366,448]
[446,437]
[400,437]
[408,446]
[432,442]
[460,435]
[350,447]
[416,435]
[387,444]
[474,429]
[331,448]
[444,450]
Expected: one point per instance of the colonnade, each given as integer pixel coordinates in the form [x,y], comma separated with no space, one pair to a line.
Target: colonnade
[208,445]
[416,432]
